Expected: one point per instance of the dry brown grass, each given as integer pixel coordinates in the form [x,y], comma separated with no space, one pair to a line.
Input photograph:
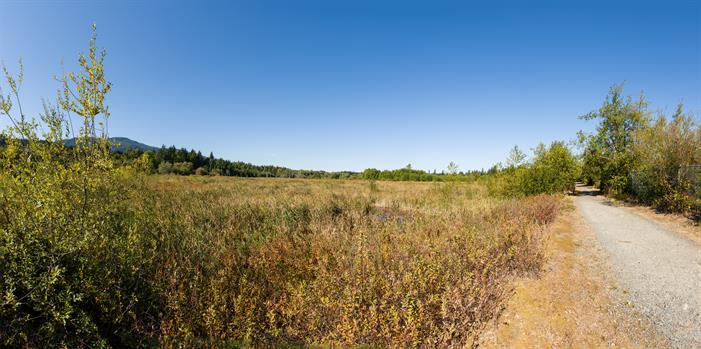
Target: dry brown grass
[270,261]
[572,303]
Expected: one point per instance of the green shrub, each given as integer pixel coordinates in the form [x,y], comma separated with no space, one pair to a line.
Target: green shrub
[607,156]
[72,270]
[165,168]
[553,170]
[663,150]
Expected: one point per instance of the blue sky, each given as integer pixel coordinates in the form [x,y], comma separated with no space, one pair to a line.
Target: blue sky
[354,84]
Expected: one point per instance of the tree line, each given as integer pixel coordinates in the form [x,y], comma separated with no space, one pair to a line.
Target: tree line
[409,174]
[171,160]
[181,161]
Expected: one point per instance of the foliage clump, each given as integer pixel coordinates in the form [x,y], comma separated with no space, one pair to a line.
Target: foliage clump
[552,170]
[656,161]
[607,158]
[70,271]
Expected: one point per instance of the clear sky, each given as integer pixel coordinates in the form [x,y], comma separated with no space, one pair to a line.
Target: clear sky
[354,84]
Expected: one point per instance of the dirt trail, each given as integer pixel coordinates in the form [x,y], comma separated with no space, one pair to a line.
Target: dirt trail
[658,269]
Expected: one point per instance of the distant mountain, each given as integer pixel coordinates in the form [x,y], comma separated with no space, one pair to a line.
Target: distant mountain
[121,144]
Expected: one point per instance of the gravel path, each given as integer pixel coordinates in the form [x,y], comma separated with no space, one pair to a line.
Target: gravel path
[660,270]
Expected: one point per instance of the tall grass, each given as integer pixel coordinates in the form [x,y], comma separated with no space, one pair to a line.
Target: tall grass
[273,261]
[193,261]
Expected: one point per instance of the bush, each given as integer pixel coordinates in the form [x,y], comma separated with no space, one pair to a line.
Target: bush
[662,151]
[554,170]
[165,168]
[182,168]
[371,173]
[72,269]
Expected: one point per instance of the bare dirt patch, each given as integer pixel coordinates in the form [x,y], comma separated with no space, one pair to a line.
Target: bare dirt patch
[572,303]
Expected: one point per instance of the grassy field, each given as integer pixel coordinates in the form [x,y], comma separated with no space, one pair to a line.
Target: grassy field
[135,260]
[403,264]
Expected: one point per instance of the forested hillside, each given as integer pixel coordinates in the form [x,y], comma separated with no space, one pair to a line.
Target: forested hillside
[119,144]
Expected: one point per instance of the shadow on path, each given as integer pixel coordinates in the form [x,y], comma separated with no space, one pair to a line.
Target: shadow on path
[581,189]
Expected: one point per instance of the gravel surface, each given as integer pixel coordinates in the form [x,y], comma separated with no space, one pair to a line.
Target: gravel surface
[660,270]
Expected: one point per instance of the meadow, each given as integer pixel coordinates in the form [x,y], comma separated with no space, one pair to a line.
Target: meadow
[402,264]
[101,249]
[98,253]
[178,261]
